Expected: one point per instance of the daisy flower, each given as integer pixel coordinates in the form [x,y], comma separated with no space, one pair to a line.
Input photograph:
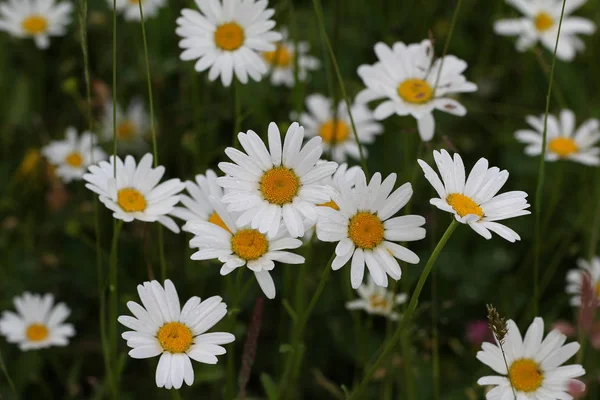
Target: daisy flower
[575,279]
[279,184]
[365,230]
[162,327]
[564,142]
[535,369]
[228,37]
[242,246]
[474,201]
[38,322]
[131,8]
[406,79]
[132,125]
[540,23]
[197,206]
[336,128]
[282,60]
[36,19]
[377,300]
[134,194]
[72,156]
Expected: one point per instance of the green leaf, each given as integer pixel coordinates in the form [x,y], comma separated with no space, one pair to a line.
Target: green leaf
[269,386]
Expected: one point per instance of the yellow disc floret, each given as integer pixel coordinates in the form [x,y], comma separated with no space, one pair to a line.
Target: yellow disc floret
[35,24]
[131,200]
[563,146]
[543,22]
[366,230]
[416,91]
[175,337]
[525,375]
[249,244]
[36,332]
[74,159]
[279,185]
[281,57]
[334,131]
[229,36]
[464,205]
[126,130]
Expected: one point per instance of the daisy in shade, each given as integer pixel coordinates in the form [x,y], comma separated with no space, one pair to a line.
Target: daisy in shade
[36,19]
[564,142]
[282,61]
[197,206]
[72,156]
[228,37]
[161,327]
[377,300]
[38,322]
[135,193]
[474,201]
[336,128]
[275,185]
[535,366]
[575,279]
[131,8]
[409,81]
[366,231]
[242,246]
[540,23]
[132,126]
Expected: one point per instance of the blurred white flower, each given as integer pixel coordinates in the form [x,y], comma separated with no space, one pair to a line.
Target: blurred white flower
[282,61]
[135,193]
[336,128]
[36,19]
[242,246]
[406,79]
[132,126]
[540,23]
[474,201]
[38,323]
[377,300]
[365,230]
[72,156]
[275,185]
[162,327]
[563,141]
[131,8]
[575,279]
[535,369]
[228,37]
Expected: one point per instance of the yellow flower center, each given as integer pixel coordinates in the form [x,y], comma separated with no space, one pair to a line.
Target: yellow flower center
[131,200]
[175,337]
[249,244]
[334,131]
[281,57]
[366,230]
[464,205]
[525,375]
[36,332]
[126,130]
[136,1]
[279,185]
[563,146]
[229,36]
[74,159]
[215,219]
[543,22]
[378,302]
[331,204]
[34,24]
[415,91]
[598,290]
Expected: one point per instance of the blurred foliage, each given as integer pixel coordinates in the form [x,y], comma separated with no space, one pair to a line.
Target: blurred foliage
[47,233]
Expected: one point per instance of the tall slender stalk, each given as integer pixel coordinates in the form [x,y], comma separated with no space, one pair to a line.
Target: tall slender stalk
[321,21]
[541,171]
[447,44]
[389,345]
[113,290]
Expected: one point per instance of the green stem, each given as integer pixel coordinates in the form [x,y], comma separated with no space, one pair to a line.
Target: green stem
[114,87]
[541,171]
[435,338]
[7,376]
[236,298]
[237,109]
[412,306]
[539,56]
[114,305]
[319,13]
[294,359]
[447,44]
